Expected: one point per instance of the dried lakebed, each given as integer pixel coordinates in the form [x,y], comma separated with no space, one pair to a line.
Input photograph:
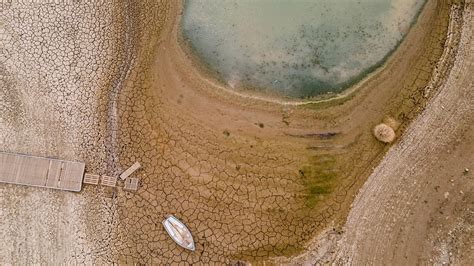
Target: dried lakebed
[251,179]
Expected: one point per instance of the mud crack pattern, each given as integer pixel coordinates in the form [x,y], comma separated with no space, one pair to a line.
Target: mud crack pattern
[79,80]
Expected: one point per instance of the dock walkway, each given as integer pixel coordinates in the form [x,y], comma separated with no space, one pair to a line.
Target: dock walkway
[41,172]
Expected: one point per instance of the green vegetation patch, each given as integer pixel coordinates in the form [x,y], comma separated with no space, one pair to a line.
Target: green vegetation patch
[319,178]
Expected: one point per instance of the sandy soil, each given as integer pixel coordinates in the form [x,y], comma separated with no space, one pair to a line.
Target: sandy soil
[215,115]
[251,178]
[58,63]
[417,205]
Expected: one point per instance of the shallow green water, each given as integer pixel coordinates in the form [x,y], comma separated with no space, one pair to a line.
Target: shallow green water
[297,48]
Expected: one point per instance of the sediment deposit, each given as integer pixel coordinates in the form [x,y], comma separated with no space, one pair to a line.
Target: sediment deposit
[252,178]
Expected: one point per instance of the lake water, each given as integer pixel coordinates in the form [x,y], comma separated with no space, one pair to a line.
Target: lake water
[296,48]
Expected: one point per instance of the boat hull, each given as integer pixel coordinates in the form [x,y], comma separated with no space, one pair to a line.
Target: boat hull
[179,232]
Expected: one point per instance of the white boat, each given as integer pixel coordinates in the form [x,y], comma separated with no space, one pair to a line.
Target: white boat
[179,232]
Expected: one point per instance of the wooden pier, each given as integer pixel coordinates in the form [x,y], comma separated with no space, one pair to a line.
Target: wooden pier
[41,172]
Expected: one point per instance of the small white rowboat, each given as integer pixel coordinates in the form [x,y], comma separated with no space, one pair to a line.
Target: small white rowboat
[179,232]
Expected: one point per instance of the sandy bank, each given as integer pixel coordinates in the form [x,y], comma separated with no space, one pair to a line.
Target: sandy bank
[423,213]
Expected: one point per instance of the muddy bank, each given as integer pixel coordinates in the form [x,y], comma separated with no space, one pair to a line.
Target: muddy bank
[423,186]
[231,167]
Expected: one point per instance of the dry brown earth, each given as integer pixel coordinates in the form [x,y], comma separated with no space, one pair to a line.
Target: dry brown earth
[417,207]
[251,178]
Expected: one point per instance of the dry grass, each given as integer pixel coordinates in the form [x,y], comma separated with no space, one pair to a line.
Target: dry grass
[384,133]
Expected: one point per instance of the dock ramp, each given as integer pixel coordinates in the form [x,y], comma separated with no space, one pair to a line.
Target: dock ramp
[41,172]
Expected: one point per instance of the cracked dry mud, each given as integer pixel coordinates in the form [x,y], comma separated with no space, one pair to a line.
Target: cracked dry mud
[111,84]
[424,186]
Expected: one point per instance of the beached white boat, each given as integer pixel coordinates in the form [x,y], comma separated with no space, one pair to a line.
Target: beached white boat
[179,232]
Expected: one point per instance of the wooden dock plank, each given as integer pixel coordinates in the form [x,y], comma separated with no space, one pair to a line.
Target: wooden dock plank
[41,172]
[11,168]
[68,176]
[91,179]
[131,184]
[130,170]
[54,172]
[33,171]
[110,181]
